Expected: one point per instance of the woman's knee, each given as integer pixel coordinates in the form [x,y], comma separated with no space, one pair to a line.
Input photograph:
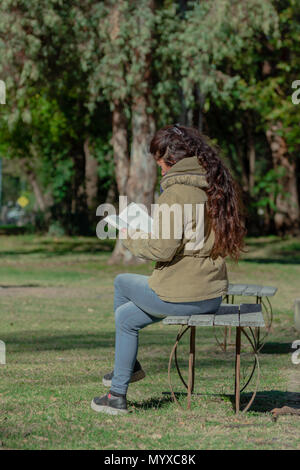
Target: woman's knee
[123,318]
[120,280]
[117,280]
[118,314]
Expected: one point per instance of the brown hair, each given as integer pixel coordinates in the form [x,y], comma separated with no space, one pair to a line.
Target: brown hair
[173,143]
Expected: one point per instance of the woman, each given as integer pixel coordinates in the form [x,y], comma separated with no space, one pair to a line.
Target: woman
[189,278]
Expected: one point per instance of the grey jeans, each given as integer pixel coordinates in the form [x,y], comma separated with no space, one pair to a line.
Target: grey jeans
[136,305]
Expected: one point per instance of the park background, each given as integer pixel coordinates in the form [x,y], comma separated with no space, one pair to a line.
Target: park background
[87,84]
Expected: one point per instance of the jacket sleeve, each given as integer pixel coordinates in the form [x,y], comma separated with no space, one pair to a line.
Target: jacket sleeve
[157,247]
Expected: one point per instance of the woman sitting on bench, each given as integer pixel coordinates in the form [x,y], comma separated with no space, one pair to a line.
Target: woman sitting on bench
[190,275]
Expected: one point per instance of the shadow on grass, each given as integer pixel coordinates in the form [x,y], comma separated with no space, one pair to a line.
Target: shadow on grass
[60,248]
[286,260]
[276,348]
[20,286]
[167,400]
[29,341]
[259,243]
[48,340]
[180,396]
[151,403]
[264,401]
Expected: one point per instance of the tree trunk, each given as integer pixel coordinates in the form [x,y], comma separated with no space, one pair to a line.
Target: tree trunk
[112,194]
[120,144]
[121,159]
[91,175]
[32,178]
[136,177]
[200,100]
[91,180]
[143,171]
[79,210]
[243,163]
[186,114]
[37,192]
[250,152]
[287,202]
[120,147]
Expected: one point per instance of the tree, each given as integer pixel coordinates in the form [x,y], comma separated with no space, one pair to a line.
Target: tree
[40,59]
[124,77]
[88,83]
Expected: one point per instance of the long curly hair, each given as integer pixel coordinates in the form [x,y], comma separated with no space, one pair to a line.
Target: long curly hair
[224,207]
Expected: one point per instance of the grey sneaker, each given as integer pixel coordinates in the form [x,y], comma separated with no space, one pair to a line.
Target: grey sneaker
[110,404]
[137,374]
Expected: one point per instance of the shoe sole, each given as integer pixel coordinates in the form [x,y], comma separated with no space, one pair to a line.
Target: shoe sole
[136,376]
[107,409]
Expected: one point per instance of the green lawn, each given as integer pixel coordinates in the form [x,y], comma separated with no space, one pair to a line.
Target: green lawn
[58,325]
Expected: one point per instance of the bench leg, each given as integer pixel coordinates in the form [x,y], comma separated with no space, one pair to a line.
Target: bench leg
[237,368]
[191,378]
[225,338]
[227,330]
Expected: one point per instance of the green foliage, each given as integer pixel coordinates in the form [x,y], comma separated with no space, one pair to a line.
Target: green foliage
[67,63]
[268,188]
[56,230]
[211,39]
[103,153]
[59,335]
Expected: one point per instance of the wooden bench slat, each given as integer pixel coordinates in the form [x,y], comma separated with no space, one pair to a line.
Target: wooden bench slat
[202,320]
[250,308]
[176,320]
[227,315]
[236,289]
[253,289]
[268,291]
[252,319]
[251,315]
[226,309]
[226,320]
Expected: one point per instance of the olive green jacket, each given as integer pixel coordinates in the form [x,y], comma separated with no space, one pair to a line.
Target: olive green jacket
[184,270]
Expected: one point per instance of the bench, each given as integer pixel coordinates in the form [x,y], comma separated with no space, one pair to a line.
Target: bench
[261,293]
[229,315]
[258,291]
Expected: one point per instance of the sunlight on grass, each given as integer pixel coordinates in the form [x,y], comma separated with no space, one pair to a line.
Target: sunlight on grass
[58,326]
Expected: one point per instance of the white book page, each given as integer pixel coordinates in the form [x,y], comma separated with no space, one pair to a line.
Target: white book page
[116,222]
[137,218]
[133,216]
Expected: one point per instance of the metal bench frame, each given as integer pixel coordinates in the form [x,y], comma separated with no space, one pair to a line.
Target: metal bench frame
[239,316]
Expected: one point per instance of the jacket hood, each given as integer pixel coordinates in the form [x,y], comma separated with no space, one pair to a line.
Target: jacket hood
[186,171]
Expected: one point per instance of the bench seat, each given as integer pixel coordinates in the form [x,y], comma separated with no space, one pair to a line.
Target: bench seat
[227,315]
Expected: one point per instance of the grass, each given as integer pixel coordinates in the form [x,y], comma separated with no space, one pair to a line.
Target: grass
[57,323]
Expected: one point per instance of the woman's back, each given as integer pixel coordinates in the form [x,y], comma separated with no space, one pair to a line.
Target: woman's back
[184,270]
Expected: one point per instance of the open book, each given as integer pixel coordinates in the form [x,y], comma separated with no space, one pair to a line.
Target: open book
[133,216]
